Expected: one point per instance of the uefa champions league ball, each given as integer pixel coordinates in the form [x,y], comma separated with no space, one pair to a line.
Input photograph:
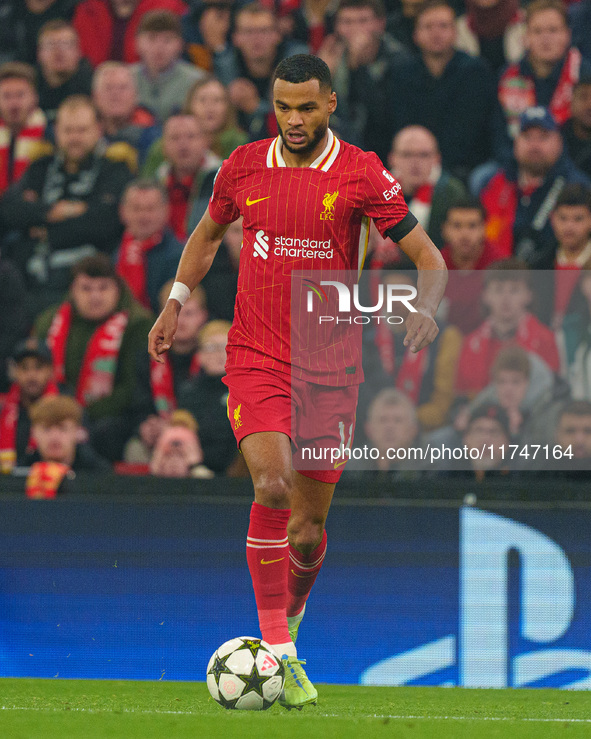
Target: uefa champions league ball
[245,674]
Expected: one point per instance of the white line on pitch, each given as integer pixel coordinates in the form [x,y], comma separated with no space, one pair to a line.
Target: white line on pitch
[395,717]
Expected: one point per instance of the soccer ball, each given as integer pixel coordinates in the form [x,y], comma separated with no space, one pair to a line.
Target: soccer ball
[245,674]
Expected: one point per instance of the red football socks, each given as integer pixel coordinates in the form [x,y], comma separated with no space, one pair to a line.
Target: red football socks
[268,559]
[303,569]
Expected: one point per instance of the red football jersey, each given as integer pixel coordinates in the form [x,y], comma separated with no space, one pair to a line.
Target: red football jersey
[312,218]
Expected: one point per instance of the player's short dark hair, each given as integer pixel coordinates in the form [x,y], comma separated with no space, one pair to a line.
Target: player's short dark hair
[304,67]
[468,202]
[19,71]
[160,21]
[96,265]
[575,194]
[378,6]
[431,5]
[507,270]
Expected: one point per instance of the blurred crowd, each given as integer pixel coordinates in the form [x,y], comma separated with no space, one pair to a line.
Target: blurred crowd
[114,118]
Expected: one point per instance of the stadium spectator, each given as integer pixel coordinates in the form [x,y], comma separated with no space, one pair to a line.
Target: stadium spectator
[576,131]
[65,205]
[206,31]
[415,162]
[571,224]
[529,393]
[426,378]
[507,296]
[107,28]
[94,337]
[221,281]
[209,102]
[162,77]
[178,451]
[441,86]
[391,427]
[115,95]
[13,309]
[494,30]
[308,22]
[579,17]
[158,385]
[573,433]
[545,76]
[576,330]
[188,170]
[487,430]
[22,122]
[400,23]
[360,56]
[205,397]
[149,253]
[63,70]
[31,369]
[518,199]
[56,426]
[464,233]
[28,18]
[466,253]
[246,67]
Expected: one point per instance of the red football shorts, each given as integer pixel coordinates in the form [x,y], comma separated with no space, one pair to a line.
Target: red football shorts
[319,420]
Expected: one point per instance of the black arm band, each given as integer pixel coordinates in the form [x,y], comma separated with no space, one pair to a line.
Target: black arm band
[402,228]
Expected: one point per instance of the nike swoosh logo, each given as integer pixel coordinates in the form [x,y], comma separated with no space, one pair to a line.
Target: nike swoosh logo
[252,202]
[302,576]
[270,562]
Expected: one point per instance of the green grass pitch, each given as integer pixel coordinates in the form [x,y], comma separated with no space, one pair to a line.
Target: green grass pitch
[96,709]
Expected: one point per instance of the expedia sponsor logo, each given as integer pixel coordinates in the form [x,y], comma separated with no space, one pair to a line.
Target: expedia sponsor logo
[392,192]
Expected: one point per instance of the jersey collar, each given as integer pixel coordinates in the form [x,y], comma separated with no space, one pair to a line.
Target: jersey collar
[323,162]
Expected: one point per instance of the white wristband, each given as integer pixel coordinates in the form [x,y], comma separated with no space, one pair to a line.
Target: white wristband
[179,292]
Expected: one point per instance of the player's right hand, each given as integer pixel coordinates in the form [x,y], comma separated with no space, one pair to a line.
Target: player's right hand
[162,334]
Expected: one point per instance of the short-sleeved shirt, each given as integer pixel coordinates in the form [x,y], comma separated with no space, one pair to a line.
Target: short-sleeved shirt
[313,219]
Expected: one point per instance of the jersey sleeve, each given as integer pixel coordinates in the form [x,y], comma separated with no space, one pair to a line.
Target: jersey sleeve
[384,201]
[222,204]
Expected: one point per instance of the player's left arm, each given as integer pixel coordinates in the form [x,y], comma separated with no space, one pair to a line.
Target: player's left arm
[421,326]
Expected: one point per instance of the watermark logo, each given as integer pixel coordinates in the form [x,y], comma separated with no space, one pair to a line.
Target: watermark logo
[349,301]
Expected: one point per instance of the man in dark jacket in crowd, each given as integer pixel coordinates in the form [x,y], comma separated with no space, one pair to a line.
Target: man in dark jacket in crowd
[447,91]
[66,204]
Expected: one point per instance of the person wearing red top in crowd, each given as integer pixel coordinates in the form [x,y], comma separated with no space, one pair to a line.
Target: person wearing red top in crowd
[22,122]
[149,252]
[188,170]
[519,198]
[31,367]
[107,28]
[466,252]
[307,199]
[507,295]
[546,75]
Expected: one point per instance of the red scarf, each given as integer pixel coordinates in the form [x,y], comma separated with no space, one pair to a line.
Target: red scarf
[26,139]
[179,195]
[411,372]
[162,383]
[499,199]
[517,92]
[9,422]
[97,374]
[131,264]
